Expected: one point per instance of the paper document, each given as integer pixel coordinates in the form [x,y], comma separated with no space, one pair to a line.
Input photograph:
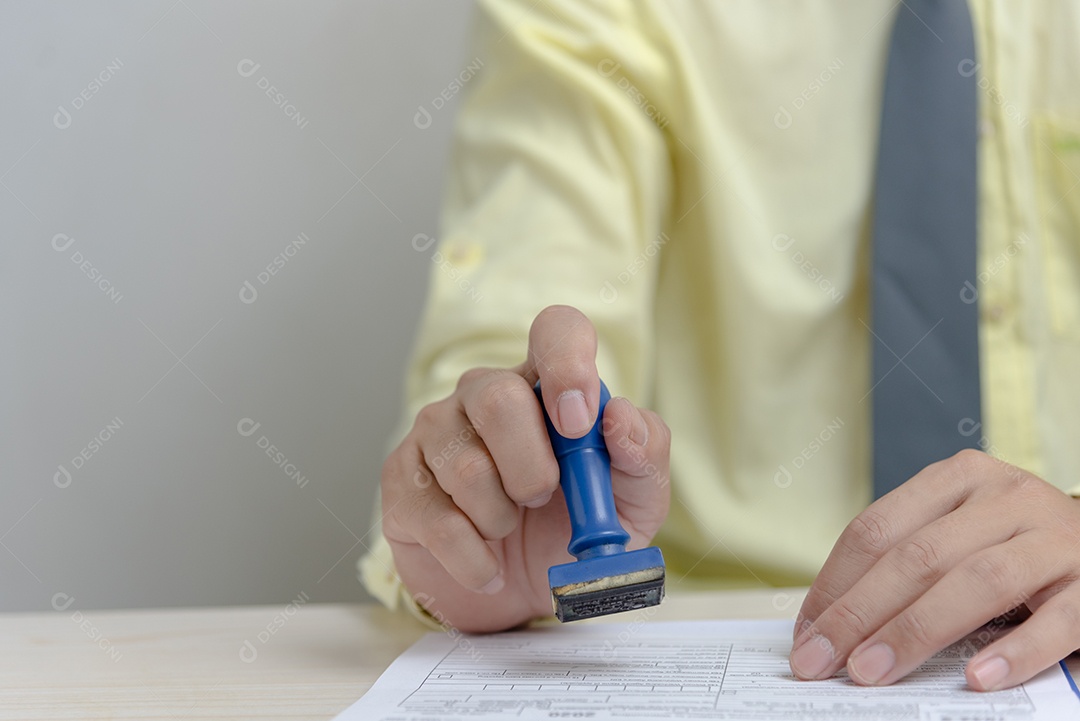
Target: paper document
[732,670]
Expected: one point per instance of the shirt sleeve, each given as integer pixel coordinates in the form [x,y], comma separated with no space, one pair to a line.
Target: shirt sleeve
[558,190]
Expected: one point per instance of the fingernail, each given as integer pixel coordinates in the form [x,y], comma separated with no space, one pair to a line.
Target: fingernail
[573,413]
[494,585]
[873,664]
[990,672]
[538,502]
[639,432]
[810,660]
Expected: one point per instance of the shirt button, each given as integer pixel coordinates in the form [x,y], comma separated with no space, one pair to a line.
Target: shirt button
[987,128]
[464,253]
[995,313]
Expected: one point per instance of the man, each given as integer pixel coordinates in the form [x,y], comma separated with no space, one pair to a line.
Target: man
[697,192]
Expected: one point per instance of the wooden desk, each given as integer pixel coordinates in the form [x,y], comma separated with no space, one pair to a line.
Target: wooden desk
[310,663]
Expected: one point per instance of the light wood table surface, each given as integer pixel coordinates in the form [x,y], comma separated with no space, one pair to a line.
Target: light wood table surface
[212,663]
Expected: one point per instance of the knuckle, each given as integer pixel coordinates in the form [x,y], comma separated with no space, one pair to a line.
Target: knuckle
[446,529]
[388,476]
[395,474]
[394,524]
[868,533]
[916,629]
[921,558]
[993,573]
[502,396]
[969,462]
[1029,490]
[1025,648]
[427,418]
[850,617]
[472,376]
[1069,612]
[969,455]
[527,488]
[823,599]
[534,481]
[402,520]
[472,469]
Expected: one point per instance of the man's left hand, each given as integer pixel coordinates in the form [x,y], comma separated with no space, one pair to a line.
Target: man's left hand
[966,540]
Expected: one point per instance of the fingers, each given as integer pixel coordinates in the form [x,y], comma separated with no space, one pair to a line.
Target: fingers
[488,450]
[511,447]
[639,444]
[465,470]
[932,493]
[562,355]
[455,489]
[422,513]
[1035,645]
[897,580]
[988,538]
[936,619]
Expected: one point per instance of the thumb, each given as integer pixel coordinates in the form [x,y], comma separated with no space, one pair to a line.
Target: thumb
[562,354]
[639,443]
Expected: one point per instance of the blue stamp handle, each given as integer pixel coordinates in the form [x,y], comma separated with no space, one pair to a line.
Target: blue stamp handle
[585,477]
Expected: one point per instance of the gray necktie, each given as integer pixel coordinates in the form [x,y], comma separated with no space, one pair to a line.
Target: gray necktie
[925,346]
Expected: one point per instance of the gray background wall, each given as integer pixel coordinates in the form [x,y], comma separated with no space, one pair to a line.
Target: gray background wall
[145,176]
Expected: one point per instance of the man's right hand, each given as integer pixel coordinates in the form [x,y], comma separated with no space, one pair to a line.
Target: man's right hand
[471,501]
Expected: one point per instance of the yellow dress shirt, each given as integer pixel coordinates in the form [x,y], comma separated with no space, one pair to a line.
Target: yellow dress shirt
[697,177]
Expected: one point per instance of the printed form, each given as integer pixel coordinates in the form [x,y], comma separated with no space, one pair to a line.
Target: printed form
[731,670]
